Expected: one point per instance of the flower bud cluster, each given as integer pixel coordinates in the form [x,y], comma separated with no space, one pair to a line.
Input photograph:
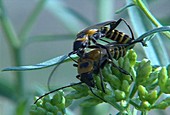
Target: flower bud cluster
[48,106]
[129,83]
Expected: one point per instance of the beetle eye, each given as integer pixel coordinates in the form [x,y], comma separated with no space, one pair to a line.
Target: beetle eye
[77,45]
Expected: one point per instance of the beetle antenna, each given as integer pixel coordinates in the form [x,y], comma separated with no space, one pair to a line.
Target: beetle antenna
[56,90]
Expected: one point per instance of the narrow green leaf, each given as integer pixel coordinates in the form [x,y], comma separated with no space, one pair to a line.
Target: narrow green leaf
[124,8]
[156,30]
[51,62]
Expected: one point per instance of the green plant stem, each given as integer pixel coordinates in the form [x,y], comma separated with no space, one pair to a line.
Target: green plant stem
[134,104]
[149,15]
[133,91]
[7,28]
[31,20]
[159,93]
[19,82]
[144,113]
[14,44]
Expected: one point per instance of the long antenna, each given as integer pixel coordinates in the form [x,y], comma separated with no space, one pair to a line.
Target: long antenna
[52,72]
[50,76]
[56,90]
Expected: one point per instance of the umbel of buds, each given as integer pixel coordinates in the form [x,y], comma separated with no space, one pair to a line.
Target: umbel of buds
[141,90]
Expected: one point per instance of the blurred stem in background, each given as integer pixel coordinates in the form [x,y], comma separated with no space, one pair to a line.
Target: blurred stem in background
[16,43]
[141,23]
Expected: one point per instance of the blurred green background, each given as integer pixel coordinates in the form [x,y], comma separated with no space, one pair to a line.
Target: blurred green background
[52,34]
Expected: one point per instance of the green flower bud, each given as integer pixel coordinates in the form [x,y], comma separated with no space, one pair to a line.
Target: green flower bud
[162,105]
[167,100]
[162,80]
[108,91]
[39,102]
[98,82]
[90,102]
[113,81]
[152,97]
[132,57]
[120,95]
[76,95]
[110,98]
[142,92]
[60,113]
[167,86]
[126,67]
[115,71]
[125,86]
[81,88]
[153,78]
[106,70]
[68,102]
[121,62]
[46,99]
[41,111]
[126,64]
[33,112]
[58,98]
[59,101]
[34,107]
[143,71]
[127,78]
[97,92]
[49,113]
[145,105]
[48,106]
[54,109]
[123,103]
